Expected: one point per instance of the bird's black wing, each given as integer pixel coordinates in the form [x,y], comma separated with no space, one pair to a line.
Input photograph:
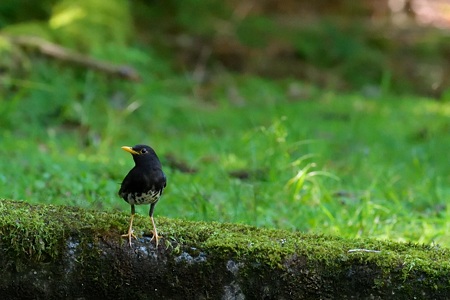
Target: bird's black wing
[159,180]
[132,183]
[137,181]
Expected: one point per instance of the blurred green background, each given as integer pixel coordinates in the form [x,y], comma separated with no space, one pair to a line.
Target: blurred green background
[325,116]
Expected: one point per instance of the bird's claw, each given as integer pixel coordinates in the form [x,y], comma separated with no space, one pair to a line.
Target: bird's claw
[155,237]
[129,235]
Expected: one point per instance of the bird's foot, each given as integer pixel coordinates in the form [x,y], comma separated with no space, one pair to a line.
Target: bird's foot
[155,237]
[129,235]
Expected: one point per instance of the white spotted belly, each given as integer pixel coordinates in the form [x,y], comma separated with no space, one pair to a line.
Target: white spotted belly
[143,198]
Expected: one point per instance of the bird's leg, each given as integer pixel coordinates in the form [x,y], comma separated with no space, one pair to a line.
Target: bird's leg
[130,233]
[155,233]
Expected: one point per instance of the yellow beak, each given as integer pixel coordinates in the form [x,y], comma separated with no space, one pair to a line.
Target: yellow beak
[130,149]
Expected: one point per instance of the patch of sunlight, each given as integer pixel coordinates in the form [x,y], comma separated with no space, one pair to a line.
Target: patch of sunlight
[232,161]
[5,44]
[67,16]
[429,107]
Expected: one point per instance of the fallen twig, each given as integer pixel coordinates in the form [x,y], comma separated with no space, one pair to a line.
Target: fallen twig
[65,54]
[363,250]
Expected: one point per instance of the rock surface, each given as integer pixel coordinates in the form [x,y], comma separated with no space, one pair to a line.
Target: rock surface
[56,252]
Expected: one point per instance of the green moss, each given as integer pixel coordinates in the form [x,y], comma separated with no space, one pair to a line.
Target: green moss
[273,247]
[41,231]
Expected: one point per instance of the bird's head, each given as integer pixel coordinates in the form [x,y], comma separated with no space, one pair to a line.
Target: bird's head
[141,153]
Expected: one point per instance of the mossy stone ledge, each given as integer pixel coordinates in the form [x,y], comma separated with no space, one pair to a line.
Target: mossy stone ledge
[60,252]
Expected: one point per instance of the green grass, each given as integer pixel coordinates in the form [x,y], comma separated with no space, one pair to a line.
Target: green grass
[330,163]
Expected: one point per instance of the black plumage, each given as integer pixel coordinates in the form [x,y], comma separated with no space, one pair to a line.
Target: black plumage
[144,184]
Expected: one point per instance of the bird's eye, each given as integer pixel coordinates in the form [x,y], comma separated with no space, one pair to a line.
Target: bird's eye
[143,151]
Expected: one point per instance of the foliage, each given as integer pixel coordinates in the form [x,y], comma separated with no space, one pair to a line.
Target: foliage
[340,49]
[344,48]
[387,154]
[16,11]
[84,25]
[89,24]
[273,153]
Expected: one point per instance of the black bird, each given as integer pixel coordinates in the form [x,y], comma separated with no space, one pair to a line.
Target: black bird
[144,184]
